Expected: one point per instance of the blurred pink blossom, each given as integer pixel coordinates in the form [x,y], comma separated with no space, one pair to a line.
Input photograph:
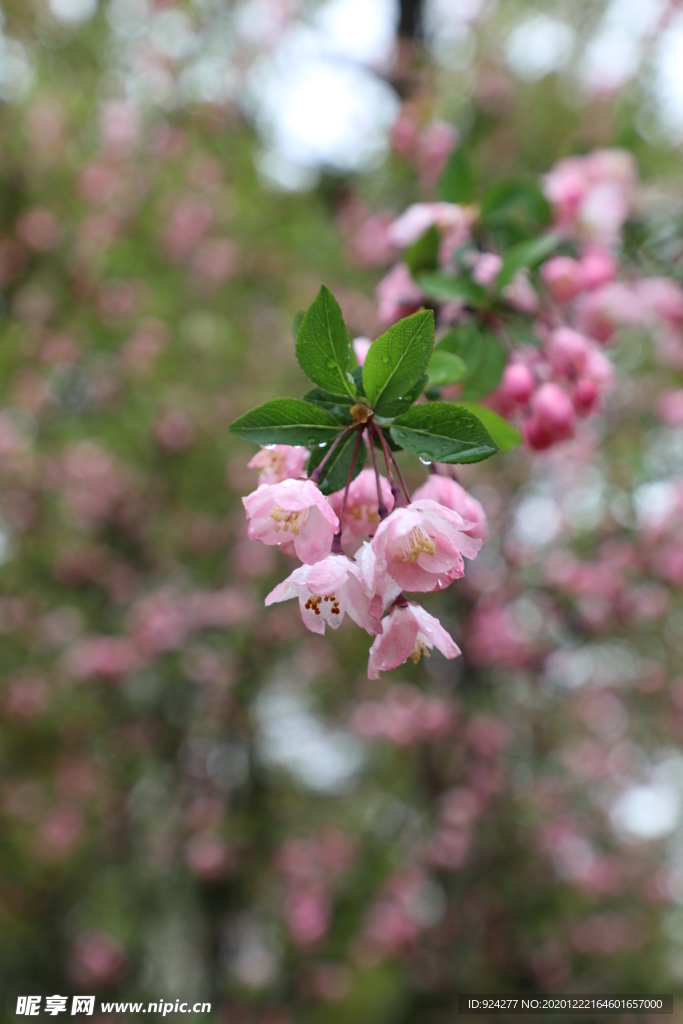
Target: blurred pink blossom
[279,462]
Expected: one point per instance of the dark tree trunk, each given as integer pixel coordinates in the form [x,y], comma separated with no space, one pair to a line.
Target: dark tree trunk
[410,23]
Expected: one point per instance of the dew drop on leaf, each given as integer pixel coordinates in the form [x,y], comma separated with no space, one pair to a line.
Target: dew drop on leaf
[385,359]
[330,365]
[323,444]
[424,460]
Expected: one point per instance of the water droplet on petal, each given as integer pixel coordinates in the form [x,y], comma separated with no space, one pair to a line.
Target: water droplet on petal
[269,447]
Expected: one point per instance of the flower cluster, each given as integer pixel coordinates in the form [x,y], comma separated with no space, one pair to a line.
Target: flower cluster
[400,545]
[552,302]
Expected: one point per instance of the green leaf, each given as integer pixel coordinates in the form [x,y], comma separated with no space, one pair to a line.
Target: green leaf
[526,254]
[322,345]
[441,287]
[443,432]
[399,405]
[397,359]
[513,212]
[423,254]
[516,208]
[466,342]
[457,183]
[485,376]
[445,368]
[336,470]
[338,405]
[296,323]
[482,354]
[287,421]
[357,374]
[502,432]
[391,444]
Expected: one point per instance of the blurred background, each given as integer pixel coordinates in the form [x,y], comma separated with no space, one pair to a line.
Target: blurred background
[199,800]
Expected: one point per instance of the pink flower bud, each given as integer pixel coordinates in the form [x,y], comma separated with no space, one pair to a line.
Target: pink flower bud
[487,268]
[562,275]
[598,266]
[518,383]
[585,396]
[552,418]
[554,408]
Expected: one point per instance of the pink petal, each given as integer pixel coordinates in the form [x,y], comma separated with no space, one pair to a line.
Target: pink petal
[395,644]
[433,634]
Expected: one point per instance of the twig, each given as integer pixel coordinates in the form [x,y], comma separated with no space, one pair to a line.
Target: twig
[337,548]
[315,475]
[399,500]
[382,509]
[400,476]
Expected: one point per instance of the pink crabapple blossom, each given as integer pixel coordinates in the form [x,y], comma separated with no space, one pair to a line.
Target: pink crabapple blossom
[451,494]
[361,515]
[409,632]
[422,546]
[278,462]
[397,295]
[327,591]
[591,195]
[292,510]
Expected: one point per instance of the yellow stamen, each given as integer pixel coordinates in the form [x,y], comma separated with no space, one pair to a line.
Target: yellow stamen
[417,542]
[361,512]
[288,520]
[273,461]
[418,651]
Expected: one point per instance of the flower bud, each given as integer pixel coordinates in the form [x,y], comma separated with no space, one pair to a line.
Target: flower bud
[552,418]
[518,383]
[585,396]
[562,276]
[598,266]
